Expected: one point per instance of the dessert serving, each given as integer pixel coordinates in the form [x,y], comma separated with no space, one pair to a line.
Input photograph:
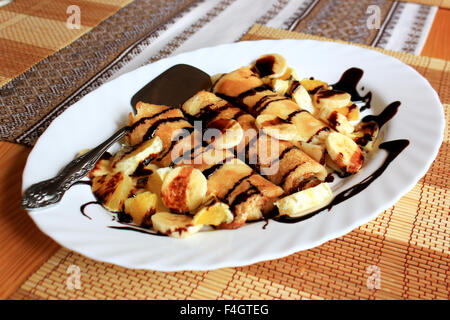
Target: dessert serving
[262,143]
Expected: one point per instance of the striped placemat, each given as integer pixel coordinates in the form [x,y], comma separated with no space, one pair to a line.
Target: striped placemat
[403,254]
[31,30]
[441,3]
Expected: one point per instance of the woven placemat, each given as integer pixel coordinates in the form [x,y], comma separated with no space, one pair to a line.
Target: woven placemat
[403,254]
[33,99]
[127,39]
[31,30]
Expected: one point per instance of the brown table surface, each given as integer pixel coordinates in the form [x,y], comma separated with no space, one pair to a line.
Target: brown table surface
[25,248]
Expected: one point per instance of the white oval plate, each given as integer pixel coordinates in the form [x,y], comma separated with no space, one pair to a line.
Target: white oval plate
[91,120]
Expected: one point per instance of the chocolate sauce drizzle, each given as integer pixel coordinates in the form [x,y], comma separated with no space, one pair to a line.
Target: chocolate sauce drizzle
[393,148]
[388,113]
[132,228]
[348,83]
[83,208]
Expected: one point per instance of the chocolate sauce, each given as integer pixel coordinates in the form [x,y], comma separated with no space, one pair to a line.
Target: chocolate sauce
[274,122]
[243,196]
[190,153]
[384,116]
[144,119]
[211,170]
[329,178]
[323,94]
[348,83]
[152,129]
[317,133]
[261,101]
[264,66]
[241,180]
[83,207]
[184,132]
[130,228]
[393,148]
[264,106]
[293,114]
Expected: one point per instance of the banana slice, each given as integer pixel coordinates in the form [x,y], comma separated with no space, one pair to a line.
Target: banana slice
[112,190]
[102,167]
[332,99]
[214,215]
[276,127]
[183,189]
[154,185]
[141,208]
[128,162]
[223,133]
[301,96]
[315,151]
[193,106]
[270,65]
[312,86]
[174,225]
[351,111]
[279,86]
[365,134]
[335,120]
[306,201]
[344,152]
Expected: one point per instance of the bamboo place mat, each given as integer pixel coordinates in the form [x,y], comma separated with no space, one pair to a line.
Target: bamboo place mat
[406,247]
[145,31]
[31,30]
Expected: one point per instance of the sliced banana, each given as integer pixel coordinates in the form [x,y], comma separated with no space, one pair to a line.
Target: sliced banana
[312,86]
[112,190]
[270,65]
[141,208]
[315,151]
[102,167]
[183,189]
[301,96]
[279,86]
[213,215]
[223,133]
[351,111]
[174,225]
[332,99]
[194,105]
[335,120]
[344,152]
[276,127]
[129,162]
[365,134]
[305,201]
[154,185]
